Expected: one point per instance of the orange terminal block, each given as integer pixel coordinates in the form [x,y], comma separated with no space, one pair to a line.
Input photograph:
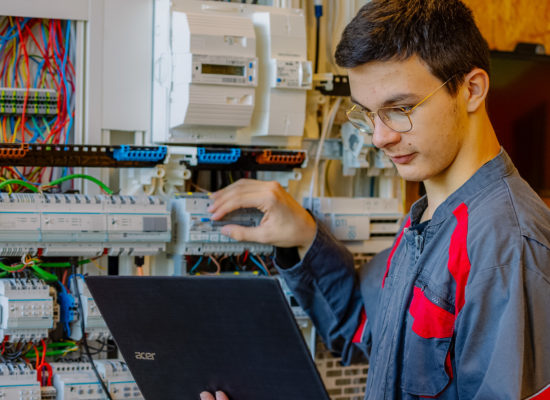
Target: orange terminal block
[267,157]
[14,152]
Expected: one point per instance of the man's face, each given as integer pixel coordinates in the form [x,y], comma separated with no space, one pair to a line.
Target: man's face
[430,147]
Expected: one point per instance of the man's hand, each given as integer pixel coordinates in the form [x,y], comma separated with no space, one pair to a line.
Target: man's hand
[219,396]
[285,222]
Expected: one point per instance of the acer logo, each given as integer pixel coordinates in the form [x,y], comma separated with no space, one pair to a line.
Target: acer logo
[141,355]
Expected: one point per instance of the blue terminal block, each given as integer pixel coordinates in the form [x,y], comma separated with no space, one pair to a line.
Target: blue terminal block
[126,153]
[225,156]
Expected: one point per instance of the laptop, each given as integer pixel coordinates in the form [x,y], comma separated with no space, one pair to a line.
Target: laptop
[183,335]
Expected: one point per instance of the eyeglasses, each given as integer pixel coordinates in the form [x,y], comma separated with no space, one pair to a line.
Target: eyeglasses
[397,118]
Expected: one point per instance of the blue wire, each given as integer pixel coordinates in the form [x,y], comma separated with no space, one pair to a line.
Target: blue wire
[258,264]
[196,265]
[71,277]
[67,92]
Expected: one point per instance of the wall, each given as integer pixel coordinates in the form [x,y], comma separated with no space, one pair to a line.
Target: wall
[505,22]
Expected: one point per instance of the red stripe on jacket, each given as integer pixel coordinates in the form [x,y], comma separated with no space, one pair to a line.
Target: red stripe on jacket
[407,224]
[544,394]
[459,262]
[358,335]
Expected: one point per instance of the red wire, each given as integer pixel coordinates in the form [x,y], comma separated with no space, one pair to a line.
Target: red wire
[23,45]
[44,349]
[245,256]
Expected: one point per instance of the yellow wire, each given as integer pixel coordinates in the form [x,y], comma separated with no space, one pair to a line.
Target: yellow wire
[98,265]
[15,130]
[8,186]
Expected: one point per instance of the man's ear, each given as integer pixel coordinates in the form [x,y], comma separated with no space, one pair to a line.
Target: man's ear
[475,87]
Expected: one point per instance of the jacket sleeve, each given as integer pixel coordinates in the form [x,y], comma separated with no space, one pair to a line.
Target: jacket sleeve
[502,346]
[327,287]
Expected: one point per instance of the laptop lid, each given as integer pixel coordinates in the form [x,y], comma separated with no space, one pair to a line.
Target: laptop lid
[183,335]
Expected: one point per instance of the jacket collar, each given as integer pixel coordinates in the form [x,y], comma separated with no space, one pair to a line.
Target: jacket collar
[490,172]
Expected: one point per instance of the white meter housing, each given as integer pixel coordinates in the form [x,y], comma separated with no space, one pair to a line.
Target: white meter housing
[286,75]
[229,73]
[214,60]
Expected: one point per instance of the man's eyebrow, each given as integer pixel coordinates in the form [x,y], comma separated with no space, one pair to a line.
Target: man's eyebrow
[396,99]
[359,104]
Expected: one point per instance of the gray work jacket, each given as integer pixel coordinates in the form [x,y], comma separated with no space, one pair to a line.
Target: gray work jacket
[458,311]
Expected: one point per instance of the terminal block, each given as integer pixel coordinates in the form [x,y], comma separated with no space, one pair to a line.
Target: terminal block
[18,382]
[273,157]
[195,233]
[68,155]
[27,309]
[48,393]
[119,380]
[14,152]
[76,381]
[94,324]
[81,225]
[39,101]
[128,153]
[217,156]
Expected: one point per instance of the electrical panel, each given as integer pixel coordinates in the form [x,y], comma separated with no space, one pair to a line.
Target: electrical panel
[82,225]
[364,224]
[18,382]
[195,233]
[27,309]
[119,380]
[94,324]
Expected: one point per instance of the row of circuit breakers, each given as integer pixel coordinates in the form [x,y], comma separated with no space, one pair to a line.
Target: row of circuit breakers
[91,226]
[71,381]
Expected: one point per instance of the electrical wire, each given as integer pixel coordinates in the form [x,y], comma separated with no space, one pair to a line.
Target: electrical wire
[260,265]
[328,120]
[192,270]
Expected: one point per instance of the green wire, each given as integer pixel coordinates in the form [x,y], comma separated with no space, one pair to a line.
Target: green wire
[19,182]
[82,176]
[45,275]
[57,182]
[7,268]
[61,264]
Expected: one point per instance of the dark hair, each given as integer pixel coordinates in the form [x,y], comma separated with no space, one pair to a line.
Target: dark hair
[442,33]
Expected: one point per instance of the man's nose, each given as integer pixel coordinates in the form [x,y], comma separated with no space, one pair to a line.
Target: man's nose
[384,136]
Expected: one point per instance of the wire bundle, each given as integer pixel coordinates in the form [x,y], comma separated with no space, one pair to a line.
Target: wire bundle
[37,54]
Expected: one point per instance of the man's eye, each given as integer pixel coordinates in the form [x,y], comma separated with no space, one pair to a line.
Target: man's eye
[405,108]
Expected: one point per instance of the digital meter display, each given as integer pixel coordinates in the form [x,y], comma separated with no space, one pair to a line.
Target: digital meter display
[221,69]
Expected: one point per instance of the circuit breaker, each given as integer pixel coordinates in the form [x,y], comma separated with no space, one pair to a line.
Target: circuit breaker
[82,225]
[94,324]
[27,309]
[195,233]
[119,380]
[18,382]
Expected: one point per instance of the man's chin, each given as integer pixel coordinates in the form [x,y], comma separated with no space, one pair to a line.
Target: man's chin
[410,174]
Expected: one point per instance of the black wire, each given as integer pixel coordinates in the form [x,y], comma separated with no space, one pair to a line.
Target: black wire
[83,329]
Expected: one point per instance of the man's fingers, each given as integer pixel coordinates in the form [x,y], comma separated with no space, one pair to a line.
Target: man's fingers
[245,234]
[221,396]
[207,396]
[240,188]
[246,200]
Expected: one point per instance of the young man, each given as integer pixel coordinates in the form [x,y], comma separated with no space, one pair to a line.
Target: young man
[458,308]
